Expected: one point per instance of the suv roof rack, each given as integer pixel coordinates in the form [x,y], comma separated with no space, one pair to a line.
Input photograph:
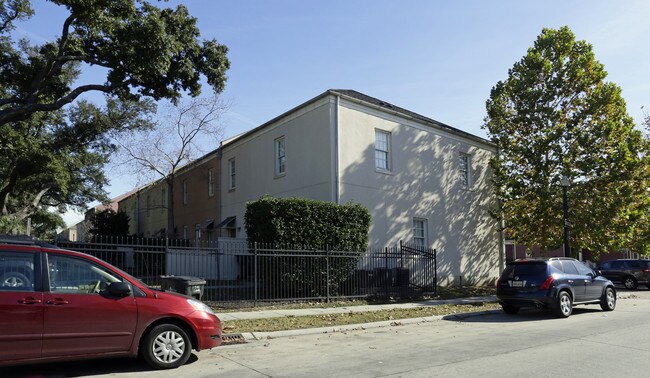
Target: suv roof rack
[23,240]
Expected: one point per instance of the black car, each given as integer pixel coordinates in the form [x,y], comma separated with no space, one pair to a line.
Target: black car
[557,283]
[629,272]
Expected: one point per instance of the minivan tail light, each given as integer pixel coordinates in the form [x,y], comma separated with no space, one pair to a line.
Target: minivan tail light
[646,270]
[547,284]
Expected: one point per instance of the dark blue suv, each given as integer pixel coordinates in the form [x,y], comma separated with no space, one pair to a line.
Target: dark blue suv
[557,283]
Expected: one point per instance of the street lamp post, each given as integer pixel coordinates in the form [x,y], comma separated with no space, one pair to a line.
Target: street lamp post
[564,182]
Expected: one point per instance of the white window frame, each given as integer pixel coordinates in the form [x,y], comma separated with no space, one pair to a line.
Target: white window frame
[280,149]
[197,231]
[210,182]
[382,152]
[232,178]
[185,196]
[420,232]
[465,170]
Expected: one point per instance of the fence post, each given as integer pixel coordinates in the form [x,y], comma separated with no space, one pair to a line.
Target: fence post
[435,272]
[255,274]
[327,274]
[387,272]
[166,258]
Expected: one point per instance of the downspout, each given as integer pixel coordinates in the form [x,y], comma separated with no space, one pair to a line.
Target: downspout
[219,207]
[337,189]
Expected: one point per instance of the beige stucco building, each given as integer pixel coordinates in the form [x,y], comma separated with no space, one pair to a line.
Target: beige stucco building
[423,181]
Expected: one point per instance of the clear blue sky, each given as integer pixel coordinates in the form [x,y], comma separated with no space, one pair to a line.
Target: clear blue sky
[439,59]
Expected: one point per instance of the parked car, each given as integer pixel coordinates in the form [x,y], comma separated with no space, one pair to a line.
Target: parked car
[63,305]
[557,283]
[629,272]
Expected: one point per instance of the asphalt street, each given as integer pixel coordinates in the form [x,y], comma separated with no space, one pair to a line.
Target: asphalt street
[591,343]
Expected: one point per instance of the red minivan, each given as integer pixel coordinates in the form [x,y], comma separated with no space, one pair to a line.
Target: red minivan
[58,305]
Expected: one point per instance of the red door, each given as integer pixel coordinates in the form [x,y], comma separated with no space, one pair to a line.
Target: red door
[87,324]
[21,324]
[79,316]
[21,305]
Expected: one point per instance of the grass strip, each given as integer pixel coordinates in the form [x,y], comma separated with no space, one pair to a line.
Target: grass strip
[329,320]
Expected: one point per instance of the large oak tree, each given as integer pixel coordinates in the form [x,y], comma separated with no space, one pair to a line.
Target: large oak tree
[556,115]
[52,146]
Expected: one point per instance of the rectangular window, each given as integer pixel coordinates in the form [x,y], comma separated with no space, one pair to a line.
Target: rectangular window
[210,182]
[420,232]
[197,231]
[464,170]
[382,150]
[231,174]
[184,192]
[280,157]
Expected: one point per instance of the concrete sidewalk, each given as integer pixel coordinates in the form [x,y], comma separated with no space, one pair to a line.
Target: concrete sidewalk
[266,314]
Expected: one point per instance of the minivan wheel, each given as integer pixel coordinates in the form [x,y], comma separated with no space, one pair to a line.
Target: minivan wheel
[564,305]
[608,301]
[166,346]
[509,309]
[630,283]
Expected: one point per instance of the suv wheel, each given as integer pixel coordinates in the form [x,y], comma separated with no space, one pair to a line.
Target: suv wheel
[608,301]
[509,309]
[630,283]
[564,306]
[166,346]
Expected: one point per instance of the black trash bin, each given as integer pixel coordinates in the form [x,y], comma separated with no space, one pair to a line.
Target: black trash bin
[191,286]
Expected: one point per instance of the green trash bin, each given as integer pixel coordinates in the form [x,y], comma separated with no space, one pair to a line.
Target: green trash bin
[190,286]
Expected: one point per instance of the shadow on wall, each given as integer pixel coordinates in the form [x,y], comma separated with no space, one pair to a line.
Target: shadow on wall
[424,183]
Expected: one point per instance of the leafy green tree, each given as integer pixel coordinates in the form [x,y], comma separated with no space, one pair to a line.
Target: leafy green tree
[53,147]
[555,115]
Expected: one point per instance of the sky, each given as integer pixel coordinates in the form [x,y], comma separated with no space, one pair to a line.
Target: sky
[437,58]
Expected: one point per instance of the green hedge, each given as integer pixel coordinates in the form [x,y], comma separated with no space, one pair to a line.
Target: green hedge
[308,225]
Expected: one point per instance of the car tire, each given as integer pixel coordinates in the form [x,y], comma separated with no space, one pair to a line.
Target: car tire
[509,309]
[166,346]
[608,300]
[564,305]
[15,279]
[630,283]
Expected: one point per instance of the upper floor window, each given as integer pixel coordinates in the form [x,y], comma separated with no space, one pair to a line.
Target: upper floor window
[231,174]
[420,232]
[185,192]
[210,182]
[464,170]
[280,157]
[382,150]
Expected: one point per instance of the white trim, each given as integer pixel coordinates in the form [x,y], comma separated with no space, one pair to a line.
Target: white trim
[425,234]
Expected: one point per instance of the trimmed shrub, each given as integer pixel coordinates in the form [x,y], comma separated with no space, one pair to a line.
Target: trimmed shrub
[307,225]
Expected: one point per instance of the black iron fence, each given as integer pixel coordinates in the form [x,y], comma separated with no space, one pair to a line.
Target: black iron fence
[235,271]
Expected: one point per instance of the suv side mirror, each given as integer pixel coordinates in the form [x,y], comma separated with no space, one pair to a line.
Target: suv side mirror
[119,289]
[598,272]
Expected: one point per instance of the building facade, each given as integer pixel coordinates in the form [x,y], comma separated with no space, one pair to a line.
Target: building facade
[424,182]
